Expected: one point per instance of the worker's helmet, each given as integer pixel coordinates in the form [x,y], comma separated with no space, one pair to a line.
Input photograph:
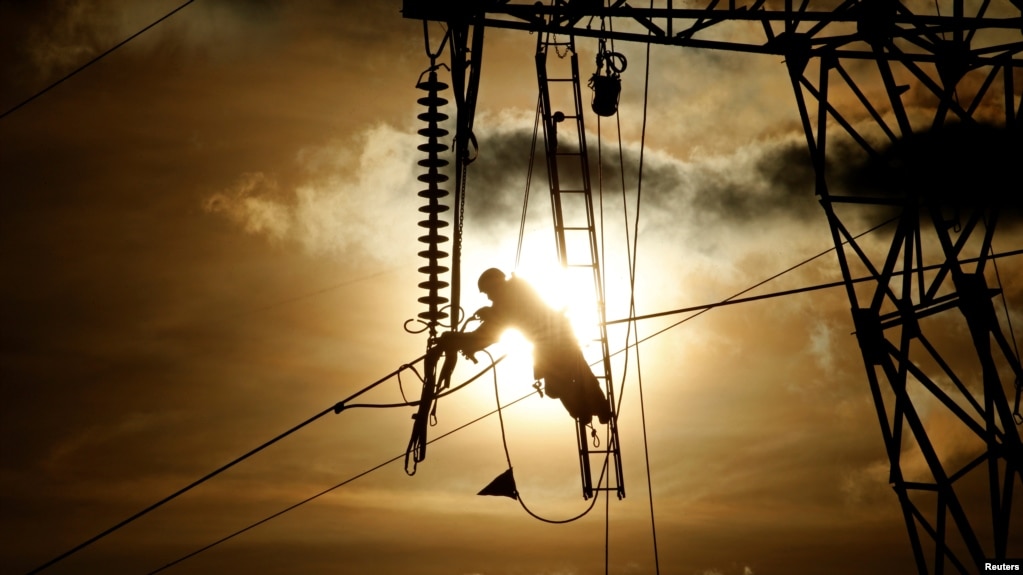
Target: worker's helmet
[490,279]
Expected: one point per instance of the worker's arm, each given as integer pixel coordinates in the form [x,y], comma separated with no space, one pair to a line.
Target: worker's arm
[487,333]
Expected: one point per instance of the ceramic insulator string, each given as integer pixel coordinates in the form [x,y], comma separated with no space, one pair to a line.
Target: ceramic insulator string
[433,208]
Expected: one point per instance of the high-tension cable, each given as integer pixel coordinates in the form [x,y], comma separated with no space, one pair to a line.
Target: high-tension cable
[705,309]
[337,486]
[733,300]
[337,408]
[632,311]
[94,60]
[529,181]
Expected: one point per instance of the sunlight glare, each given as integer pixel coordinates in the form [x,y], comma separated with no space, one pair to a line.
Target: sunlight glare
[570,291]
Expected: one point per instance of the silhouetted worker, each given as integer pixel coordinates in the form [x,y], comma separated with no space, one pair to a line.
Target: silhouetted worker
[557,358]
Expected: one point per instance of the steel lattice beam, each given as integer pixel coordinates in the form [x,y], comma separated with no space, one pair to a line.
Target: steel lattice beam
[845,29]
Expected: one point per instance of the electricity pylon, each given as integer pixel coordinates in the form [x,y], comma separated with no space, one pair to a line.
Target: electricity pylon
[929,94]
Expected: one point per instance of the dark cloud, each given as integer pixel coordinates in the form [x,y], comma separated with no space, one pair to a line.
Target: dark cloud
[959,166]
[498,176]
[769,179]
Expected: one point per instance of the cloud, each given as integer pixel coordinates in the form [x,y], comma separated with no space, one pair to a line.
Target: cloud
[68,33]
[767,178]
[962,166]
[251,203]
[345,206]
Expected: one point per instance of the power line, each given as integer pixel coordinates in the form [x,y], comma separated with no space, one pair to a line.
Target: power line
[337,408]
[329,489]
[705,309]
[94,60]
[731,301]
[632,310]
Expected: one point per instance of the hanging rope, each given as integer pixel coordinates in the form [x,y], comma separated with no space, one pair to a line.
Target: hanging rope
[632,307]
[529,180]
[507,455]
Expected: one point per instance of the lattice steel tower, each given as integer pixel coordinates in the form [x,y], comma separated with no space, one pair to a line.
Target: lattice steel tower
[929,94]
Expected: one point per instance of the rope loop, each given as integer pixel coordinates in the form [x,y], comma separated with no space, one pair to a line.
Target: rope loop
[615,61]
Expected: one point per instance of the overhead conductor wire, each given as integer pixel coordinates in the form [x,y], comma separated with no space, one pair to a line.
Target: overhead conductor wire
[729,299]
[631,265]
[337,408]
[94,60]
[632,305]
[529,180]
[346,481]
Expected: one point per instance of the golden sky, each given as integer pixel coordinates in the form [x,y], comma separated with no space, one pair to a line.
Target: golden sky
[210,236]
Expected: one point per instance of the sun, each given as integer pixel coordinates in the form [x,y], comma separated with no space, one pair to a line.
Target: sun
[570,291]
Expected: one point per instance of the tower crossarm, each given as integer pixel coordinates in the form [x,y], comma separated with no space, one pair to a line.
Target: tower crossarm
[850,29]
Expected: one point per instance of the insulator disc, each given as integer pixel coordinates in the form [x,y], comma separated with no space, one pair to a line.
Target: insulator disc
[432,147]
[432,285]
[432,116]
[433,270]
[432,101]
[430,239]
[433,194]
[433,254]
[432,132]
[433,224]
[432,85]
[433,299]
[432,315]
[432,178]
[432,162]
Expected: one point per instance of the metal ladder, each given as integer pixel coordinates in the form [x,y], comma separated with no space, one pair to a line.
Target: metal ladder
[561,109]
